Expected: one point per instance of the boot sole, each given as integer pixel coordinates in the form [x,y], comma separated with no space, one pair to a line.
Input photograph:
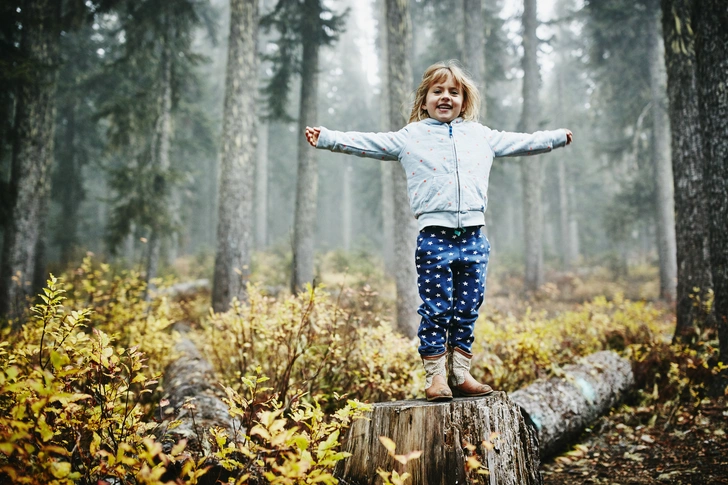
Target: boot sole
[473,394]
[439,398]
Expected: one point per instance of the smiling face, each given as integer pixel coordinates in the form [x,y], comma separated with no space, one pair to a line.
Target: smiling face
[444,100]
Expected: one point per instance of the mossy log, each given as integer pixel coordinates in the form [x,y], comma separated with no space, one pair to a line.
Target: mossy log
[561,408]
[505,444]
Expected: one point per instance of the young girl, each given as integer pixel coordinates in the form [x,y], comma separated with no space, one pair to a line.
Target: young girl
[447,156]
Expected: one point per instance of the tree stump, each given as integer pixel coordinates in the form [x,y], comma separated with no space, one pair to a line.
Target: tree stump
[505,444]
[562,407]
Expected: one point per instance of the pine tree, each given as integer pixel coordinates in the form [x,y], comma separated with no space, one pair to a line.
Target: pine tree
[235,213]
[303,28]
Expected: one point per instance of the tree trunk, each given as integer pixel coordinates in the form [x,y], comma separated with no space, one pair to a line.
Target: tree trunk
[195,405]
[711,52]
[474,55]
[531,167]
[235,199]
[694,281]
[566,212]
[69,189]
[562,407]
[32,154]
[504,443]
[399,77]
[304,223]
[386,167]
[346,206]
[160,152]
[261,187]
[661,161]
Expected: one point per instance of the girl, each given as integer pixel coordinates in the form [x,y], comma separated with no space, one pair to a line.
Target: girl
[447,156]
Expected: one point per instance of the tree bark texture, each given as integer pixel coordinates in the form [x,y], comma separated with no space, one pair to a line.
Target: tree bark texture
[32,154]
[304,229]
[661,161]
[562,407]
[261,187]
[160,149]
[235,205]
[694,281]
[711,52]
[399,75]
[531,167]
[190,379]
[386,167]
[442,431]
[474,46]
[568,250]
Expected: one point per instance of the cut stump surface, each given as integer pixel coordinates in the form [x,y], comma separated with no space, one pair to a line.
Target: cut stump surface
[505,444]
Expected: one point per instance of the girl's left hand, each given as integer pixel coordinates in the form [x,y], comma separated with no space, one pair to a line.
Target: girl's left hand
[569,137]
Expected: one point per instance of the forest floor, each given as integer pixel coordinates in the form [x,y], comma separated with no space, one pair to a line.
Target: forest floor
[637,444]
[693,449]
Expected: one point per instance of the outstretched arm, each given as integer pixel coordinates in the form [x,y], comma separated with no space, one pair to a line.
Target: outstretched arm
[508,144]
[382,146]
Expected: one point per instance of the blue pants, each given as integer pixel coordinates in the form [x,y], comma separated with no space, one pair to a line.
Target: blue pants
[451,271]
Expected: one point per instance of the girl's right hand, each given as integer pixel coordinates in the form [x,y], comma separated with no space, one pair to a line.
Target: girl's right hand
[312,135]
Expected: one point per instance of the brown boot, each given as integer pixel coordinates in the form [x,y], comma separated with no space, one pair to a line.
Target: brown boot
[461,382]
[436,378]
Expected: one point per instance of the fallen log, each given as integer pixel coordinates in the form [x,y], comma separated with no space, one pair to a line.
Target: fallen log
[562,407]
[504,444]
[192,401]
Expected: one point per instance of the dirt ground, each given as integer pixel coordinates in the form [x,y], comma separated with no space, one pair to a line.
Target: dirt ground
[618,449]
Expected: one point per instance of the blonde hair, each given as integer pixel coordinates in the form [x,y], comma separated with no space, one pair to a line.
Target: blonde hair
[439,72]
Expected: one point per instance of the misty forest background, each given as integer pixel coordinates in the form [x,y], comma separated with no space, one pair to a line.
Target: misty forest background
[162,137]
[152,156]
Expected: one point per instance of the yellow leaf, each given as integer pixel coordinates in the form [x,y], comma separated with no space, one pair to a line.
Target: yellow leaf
[60,469]
[388,444]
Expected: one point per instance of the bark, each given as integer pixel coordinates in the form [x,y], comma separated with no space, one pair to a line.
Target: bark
[386,167]
[261,188]
[661,161]
[566,213]
[474,48]
[694,281]
[711,52]
[304,223]
[562,407]
[32,154]
[69,189]
[399,76]
[346,206]
[531,167]
[160,152]
[441,431]
[192,405]
[235,211]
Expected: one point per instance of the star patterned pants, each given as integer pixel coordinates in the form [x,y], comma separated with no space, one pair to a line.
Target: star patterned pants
[451,271]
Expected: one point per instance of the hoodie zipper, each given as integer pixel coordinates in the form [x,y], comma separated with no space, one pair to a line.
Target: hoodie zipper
[457,174]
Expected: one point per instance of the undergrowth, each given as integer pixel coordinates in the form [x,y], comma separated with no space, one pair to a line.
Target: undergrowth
[79,382]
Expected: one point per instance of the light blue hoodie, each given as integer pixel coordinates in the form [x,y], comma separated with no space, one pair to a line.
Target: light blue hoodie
[447,164]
